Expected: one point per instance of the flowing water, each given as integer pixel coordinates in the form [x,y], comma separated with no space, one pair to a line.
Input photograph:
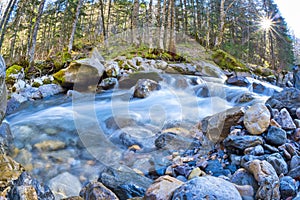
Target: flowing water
[92,126]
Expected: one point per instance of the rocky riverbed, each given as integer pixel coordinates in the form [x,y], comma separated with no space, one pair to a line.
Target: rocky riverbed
[152,130]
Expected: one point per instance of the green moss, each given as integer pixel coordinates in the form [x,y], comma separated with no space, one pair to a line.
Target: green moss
[227,61]
[36,84]
[59,77]
[14,69]
[66,57]
[47,81]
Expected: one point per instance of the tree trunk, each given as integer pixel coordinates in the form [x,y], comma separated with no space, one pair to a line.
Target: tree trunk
[108,17]
[219,37]
[159,24]
[151,18]
[172,47]
[185,26]
[34,35]
[74,26]
[207,28]
[135,16]
[102,18]
[163,34]
[5,19]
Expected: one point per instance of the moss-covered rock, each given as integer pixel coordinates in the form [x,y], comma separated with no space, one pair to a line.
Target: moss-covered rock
[82,74]
[227,61]
[12,73]
[36,84]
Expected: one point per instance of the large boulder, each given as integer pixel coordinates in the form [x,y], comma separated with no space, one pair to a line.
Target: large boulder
[288,98]
[257,119]
[207,187]
[83,75]
[217,127]
[2,89]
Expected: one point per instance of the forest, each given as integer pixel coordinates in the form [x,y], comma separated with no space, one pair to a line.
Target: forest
[250,30]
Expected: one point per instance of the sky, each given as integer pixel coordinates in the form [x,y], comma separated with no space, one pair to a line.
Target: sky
[289,10]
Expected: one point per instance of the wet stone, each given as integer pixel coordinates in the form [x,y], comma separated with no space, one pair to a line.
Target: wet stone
[242,142]
[276,136]
[295,161]
[288,187]
[124,182]
[96,190]
[295,173]
[144,87]
[279,164]
[65,185]
[243,177]
[215,168]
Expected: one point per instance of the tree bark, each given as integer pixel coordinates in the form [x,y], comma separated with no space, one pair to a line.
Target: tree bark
[219,37]
[74,26]
[151,18]
[135,16]
[34,35]
[172,47]
[5,19]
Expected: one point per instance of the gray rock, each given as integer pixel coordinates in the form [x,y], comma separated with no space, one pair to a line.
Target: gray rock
[144,87]
[124,182]
[3,92]
[83,75]
[96,190]
[238,81]
[285,120]
[243,177]
[217,127]
[108,83]
[171,141]
[6,138]
[276,136]
[186,69]
[207,187]
[295,172]
[288,98]
[288,187]
[112,69]
[215,168]
[279,164]
[128,136]
[50,90]
[65,185]
[242,142]
[295,161]
[298,113]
